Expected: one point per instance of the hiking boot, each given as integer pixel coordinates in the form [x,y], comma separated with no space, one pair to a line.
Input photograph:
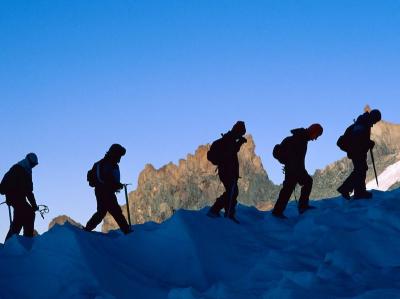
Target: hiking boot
[363,195]
[345,194]
[86,229]
[306,208]
[211,214]
[278,215]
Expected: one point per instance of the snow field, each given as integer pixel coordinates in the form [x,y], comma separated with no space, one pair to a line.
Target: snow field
[343,249]
[389,177]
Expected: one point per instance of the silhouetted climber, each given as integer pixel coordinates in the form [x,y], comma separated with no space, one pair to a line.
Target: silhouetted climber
[292,152]
[105,178]
[356,142]
[17,186]
[224,153]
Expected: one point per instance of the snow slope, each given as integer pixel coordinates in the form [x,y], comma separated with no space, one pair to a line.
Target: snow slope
[389,177]
[344,249]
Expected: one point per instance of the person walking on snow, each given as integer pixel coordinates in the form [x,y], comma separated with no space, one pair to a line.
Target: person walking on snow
[226,151]
[17,186]
[107,181]
[356,141]
[292,152]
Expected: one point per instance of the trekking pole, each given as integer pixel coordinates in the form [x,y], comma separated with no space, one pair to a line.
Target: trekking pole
[9,214]
[373,164]
[127,204]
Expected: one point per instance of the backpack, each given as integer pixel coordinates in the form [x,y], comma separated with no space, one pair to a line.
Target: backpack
[5,183]
[216,152]
[93,175]
[345,141]
[281,151]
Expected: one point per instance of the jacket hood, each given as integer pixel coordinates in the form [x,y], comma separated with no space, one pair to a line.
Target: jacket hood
[26,165]
[299,131]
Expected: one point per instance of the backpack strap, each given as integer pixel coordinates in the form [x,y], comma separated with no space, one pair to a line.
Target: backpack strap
[98,173]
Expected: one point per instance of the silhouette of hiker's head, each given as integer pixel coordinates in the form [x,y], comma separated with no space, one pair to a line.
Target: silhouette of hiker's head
[314,131]
[32,159]
[115,152]
[375,116]
[238,129]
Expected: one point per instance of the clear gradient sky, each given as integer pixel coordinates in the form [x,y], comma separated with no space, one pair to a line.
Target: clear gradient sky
[162,77]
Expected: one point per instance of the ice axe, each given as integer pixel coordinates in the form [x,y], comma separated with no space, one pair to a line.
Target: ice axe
[127,203]
[43,209]
[373,164]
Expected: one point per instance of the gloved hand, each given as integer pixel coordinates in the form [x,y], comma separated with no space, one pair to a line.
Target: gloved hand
[35,208]
[371,144]
[119,187]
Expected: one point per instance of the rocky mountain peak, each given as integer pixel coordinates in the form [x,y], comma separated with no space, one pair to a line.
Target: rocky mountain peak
[60,220]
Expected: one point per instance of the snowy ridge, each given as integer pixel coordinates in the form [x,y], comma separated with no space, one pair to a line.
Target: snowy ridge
[389,177]
[344,249]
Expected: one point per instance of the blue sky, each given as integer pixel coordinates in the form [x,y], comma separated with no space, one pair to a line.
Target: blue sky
[162,77]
